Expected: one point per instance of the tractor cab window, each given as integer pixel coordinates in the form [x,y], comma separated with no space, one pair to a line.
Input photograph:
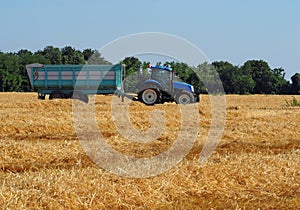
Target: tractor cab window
[158,74]
[164,77]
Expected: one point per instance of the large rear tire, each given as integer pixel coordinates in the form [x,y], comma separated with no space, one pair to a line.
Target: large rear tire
[149,96]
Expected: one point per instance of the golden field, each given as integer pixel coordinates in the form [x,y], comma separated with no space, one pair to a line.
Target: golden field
[256,164]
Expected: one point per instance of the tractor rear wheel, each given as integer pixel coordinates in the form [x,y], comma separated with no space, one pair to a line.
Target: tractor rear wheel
[149,96]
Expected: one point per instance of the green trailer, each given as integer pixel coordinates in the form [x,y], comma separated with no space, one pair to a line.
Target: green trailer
[74,81]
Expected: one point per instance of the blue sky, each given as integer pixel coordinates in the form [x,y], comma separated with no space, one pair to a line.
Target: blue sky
[231,30]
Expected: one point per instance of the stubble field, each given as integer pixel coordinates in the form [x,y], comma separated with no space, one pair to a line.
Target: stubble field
[256,164]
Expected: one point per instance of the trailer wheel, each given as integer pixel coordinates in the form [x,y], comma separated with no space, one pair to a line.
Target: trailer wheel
[84,98]
[56,95]
[184,98]
[149,96]
[79,96]
[75,95]
[41,96]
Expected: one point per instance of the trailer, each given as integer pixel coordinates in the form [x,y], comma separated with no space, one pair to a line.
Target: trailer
[74,81]
[79,81]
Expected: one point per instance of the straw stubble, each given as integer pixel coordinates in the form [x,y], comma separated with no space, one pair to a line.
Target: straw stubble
[256,164]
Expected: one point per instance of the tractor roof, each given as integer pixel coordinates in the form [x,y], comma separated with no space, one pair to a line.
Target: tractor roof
[161,68]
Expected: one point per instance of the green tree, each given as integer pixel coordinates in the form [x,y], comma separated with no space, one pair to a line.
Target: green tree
[132,73]
[181,70]
[53,54]
[87,53]
[243,84]
[228,75]
[196,76]
[234,80]
[187,74]
[10,77]
[26,57]
[145,64]
[279,83]
[295,83]
[132,65]
[210,80]
[96,58]
[261,74]
[72,56]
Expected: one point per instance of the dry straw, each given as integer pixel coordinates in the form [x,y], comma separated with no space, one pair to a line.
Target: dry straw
[256,165]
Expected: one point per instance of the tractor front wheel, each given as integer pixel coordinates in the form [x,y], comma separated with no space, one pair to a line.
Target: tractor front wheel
[185,98]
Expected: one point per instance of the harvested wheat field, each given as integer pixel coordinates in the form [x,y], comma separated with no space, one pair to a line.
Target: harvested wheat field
[44,166]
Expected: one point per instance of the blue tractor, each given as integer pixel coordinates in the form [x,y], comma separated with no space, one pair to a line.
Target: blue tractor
[161,87]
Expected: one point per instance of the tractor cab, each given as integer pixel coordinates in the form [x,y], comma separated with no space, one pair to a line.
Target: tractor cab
[164,76]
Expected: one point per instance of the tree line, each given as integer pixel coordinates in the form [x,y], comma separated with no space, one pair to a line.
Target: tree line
[253,77]
[13,74]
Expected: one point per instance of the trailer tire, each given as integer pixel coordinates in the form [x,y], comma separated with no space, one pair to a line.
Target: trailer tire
[184,97]
[85,98]
[149,96]
[56,95]
[41,96]
[79,96]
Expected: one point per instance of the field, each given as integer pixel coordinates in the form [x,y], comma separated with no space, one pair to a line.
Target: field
[44,166]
